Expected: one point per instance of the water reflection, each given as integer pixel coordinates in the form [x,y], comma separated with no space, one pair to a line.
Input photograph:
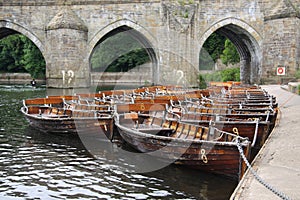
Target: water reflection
[35,165]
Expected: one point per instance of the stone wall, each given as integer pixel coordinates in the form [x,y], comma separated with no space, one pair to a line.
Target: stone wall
[18,78]
[281,47]
[265,32]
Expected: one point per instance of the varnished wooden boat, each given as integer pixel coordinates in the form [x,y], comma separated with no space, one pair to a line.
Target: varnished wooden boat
[268,112]
[263,117]
[224,100]
[255,123]
[207,149]
[50,115]
[254,129]
[265,114]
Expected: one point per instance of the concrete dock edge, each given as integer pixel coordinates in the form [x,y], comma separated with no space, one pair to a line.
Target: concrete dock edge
[277,163]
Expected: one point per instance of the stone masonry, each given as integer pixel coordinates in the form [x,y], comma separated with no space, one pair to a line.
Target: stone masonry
[266,34]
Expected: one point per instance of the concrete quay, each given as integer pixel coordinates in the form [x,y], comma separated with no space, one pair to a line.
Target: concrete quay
[278,162]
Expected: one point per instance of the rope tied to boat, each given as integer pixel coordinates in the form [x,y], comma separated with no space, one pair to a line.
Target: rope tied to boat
[203,156]
[255,133]
[257,177]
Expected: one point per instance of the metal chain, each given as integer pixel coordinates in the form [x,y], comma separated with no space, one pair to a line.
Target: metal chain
[257,177]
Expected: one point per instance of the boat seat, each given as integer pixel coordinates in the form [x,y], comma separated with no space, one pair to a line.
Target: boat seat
[157,131]
[55,116]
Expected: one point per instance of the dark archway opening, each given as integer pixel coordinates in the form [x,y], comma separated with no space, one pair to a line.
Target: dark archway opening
[218,60]
[217,48]
[18,54]
[124,50]
[246,47]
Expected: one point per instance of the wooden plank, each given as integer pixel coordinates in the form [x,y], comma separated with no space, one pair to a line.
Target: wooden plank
[140,107]
[66,97]
[89,95]
[153,101]
[41,101]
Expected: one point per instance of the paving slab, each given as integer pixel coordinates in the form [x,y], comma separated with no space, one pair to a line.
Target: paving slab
[278,162]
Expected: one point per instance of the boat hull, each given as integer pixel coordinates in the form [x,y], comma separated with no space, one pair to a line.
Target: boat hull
[70,125]
[213,157]
[256,132]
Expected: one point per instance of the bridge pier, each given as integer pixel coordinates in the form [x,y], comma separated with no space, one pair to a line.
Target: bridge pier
[66,45]
[245,71]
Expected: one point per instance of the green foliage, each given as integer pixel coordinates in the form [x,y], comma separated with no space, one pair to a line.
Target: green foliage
[297,75]
[185,2]
[118,53]
[230,74]
[186,14]
[19,54]
[215,47]
[33,60]
[230,54]
[202,82]
[11,52]
[216,76]
[129,61]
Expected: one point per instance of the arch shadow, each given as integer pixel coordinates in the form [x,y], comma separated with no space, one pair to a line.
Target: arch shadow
[248,43]
[145,38]
[9,28]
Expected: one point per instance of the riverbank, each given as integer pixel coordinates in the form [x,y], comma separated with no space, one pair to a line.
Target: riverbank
[18,79]
[278,161]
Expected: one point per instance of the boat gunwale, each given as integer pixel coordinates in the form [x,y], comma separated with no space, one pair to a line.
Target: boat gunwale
[63,118]
[243,141]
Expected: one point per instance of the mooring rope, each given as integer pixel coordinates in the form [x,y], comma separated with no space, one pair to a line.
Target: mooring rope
[257,177]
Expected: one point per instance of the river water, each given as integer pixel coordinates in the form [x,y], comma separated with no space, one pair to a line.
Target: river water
[36,165]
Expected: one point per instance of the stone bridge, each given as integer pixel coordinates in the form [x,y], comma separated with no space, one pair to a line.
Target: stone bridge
[266,34]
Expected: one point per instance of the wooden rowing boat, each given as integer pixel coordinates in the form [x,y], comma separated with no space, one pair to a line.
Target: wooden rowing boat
[265,114]
[50,115]
[207,149]
[254,129]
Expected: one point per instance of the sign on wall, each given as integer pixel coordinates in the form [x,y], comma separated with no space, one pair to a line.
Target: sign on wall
[280,70]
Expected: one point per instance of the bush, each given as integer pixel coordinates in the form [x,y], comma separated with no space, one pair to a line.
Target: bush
[202,82]
[297,74]
[230,54]
[230,74]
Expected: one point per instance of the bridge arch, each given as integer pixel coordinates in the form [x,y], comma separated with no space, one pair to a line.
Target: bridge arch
[248,43]
[8,28]
[143,36]
[120,23]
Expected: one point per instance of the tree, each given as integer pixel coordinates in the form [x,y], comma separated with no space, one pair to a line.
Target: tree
[211,51]
[33,60]
[129,61]
[118,53]
[215,47]
[19,54]
[230,74]
[202,82]
[230,54]
[11,50]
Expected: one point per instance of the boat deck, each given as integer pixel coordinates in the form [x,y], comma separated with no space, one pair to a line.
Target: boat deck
[278,161]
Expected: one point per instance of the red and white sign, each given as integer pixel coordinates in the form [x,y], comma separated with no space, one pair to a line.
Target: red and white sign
[280,70]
